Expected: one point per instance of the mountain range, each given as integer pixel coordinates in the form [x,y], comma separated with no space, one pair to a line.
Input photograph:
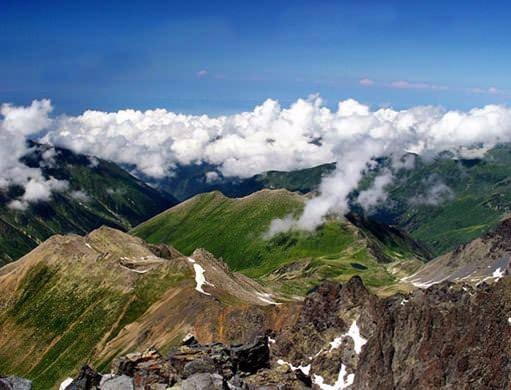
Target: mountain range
[180,283]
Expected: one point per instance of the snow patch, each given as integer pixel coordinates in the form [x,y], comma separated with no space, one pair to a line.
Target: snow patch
[509,320]
[305,369]
[88,245]
[187,337]
[498,273]
[65,383]
[354,333]
[200,279]
[337,342]
[271,341]
[404,302]
[341,382]
[266,298]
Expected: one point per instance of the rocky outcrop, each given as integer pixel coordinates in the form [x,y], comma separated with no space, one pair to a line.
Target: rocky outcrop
[448,336]
[146,369]
[86,379]
[15,383]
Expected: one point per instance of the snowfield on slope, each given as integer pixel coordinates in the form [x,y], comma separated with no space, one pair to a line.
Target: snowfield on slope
[200,279]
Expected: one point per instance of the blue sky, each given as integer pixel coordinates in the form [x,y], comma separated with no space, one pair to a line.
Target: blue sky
[226,56]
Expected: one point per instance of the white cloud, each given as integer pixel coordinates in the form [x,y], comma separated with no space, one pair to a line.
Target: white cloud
[437,192]
[202,73]
[412,85]
[402,84]
[80,196]
[93,161]
[242,145]
[272,137]
[376,193]
[366,82]
[38,191]
[48,157]
[212,176]
[16,125]
[489,91]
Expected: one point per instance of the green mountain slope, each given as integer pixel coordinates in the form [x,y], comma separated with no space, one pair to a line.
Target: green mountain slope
[476,196]
[234,230]
[99,193]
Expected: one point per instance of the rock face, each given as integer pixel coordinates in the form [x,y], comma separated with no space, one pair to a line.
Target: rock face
[112,382]
[227,361]
[146,369]
[448,336]
[252,357]
[203,381]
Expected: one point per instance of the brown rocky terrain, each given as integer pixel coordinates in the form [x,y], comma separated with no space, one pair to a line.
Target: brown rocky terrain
[446,337]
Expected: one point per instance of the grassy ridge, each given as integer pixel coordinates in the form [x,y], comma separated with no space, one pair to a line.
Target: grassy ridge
[62,312]
[234,230]
[63,319]
[481,195]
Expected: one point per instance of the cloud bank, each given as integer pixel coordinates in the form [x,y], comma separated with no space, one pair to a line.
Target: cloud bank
[271,137]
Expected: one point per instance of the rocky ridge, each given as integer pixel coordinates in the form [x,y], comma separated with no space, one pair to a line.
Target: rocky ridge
[449,336]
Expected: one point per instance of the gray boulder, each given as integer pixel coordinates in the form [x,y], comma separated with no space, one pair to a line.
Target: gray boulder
[15,383]
[203,382]
[251,357]
[112,382]
[199,366]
